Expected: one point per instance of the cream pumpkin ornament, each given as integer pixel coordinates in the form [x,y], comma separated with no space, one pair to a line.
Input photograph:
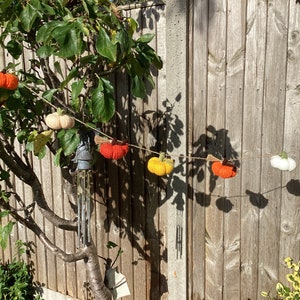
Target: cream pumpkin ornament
[283,162]
[59,120]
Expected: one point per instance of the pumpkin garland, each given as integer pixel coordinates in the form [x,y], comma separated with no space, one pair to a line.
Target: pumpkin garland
[161,165]
[113,149]
[223,169]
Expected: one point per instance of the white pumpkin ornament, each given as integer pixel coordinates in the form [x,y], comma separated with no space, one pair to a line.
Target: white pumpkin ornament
[283,162]
[59,120]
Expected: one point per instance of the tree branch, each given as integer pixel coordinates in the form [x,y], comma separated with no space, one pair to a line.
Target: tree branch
[31,224]
[27,175]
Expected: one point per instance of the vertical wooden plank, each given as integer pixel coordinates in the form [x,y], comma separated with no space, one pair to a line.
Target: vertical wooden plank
[41,264]
[99,222]
[49,192]
[136,106]
[289,237]
[272,141]
[199,22]
[59,202]
[30,236]
[127,187]
[70,241]
[230,203]
[176,95]
[216,136]
[153,188]
[161,212]
[251,144]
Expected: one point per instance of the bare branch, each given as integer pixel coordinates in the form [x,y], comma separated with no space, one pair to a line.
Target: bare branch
[27,175]
[31,224]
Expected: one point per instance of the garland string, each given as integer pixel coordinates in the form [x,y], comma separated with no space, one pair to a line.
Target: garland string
[188,157]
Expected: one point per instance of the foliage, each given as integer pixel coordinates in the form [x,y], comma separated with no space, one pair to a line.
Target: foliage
[17,279]
[78,44]
[65,54]
[291,291]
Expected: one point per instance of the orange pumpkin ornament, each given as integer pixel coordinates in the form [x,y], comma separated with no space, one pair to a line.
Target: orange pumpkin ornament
[223,169]
[113,149]
[8,81]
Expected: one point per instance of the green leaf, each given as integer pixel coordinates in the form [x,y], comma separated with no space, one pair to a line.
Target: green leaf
[111,245]
[4,233]
[69,40]
[29,14]
[44,51]
[5,4]
[124,41]
[102,101]
[22,135]
[58,68]
[132,25]
[146,38]
[48,95]
[4,213]
[69,140]
[73,73]
[89,59]
[4,175]
[44,33]
[76,90]
[5,195]
[49,10]
[14,48]
[105,47]
[138,88]
[57,157]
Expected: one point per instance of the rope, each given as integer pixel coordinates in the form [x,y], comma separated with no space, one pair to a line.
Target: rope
[188,157]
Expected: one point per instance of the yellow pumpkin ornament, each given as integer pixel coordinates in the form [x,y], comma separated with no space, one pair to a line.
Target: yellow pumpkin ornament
[160,166]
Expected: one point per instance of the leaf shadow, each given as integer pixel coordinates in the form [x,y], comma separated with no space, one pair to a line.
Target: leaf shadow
[293,187]
[257,199]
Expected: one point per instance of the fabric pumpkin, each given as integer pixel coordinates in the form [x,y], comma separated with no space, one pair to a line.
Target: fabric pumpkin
[59,120]
[283,162]
[223,169]
[8,81]
[160,166]
[113,150]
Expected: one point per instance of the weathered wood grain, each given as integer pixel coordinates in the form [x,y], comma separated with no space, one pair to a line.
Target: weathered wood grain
[251,144]
[216,107]
[230,203]
[198,199]
[272,141]
[289,225]
[241,102]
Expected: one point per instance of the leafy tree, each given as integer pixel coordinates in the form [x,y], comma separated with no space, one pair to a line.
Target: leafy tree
[77,44]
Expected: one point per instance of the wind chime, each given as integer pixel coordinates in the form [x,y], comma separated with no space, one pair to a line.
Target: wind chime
[83,158]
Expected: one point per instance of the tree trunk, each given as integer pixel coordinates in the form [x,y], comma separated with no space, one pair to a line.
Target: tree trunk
[100,291]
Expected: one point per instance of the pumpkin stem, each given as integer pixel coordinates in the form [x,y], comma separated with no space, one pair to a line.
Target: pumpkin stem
[3,71]
[162,156]
[114,141]
[225,161]
[284,155]
[60,111]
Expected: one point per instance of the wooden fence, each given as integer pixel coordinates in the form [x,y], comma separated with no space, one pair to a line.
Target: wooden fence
[230,88]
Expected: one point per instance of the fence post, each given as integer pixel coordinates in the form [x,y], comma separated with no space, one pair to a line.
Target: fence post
[176,92]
